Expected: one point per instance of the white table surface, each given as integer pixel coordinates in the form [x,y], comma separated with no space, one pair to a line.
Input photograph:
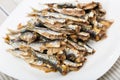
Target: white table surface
[6,7]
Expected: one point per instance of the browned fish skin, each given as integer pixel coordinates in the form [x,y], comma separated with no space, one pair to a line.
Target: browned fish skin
[89,6]
[76,46]
[51,60]
[28,36]
[72,12]
[48,33]
[63,5]
[56,38]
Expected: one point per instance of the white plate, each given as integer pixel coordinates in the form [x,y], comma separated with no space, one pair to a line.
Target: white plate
[107,50]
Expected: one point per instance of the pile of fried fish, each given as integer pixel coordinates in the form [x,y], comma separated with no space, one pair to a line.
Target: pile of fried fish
[56,38]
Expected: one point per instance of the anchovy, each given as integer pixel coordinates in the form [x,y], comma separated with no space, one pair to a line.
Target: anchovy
[74,54]
[24,55]
[83,36]
[100,13]
[48,19]
[59,15]
[58,27]
[42,66]
[72,12]
[55,50]
[71,54]
[106,23]
[51,60]
[86,6]
[67,29]
[42,46]
[89,6]
[16,52]
[95,32]
[13,36]
[72,64]
[34,62]
[48,33]
[14,32]
[72,51]
[80,46]
[61,5]
[75,28]
[76,46]
[42,39]
[88,48]
[28,36]
[89,30]
[17,43]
